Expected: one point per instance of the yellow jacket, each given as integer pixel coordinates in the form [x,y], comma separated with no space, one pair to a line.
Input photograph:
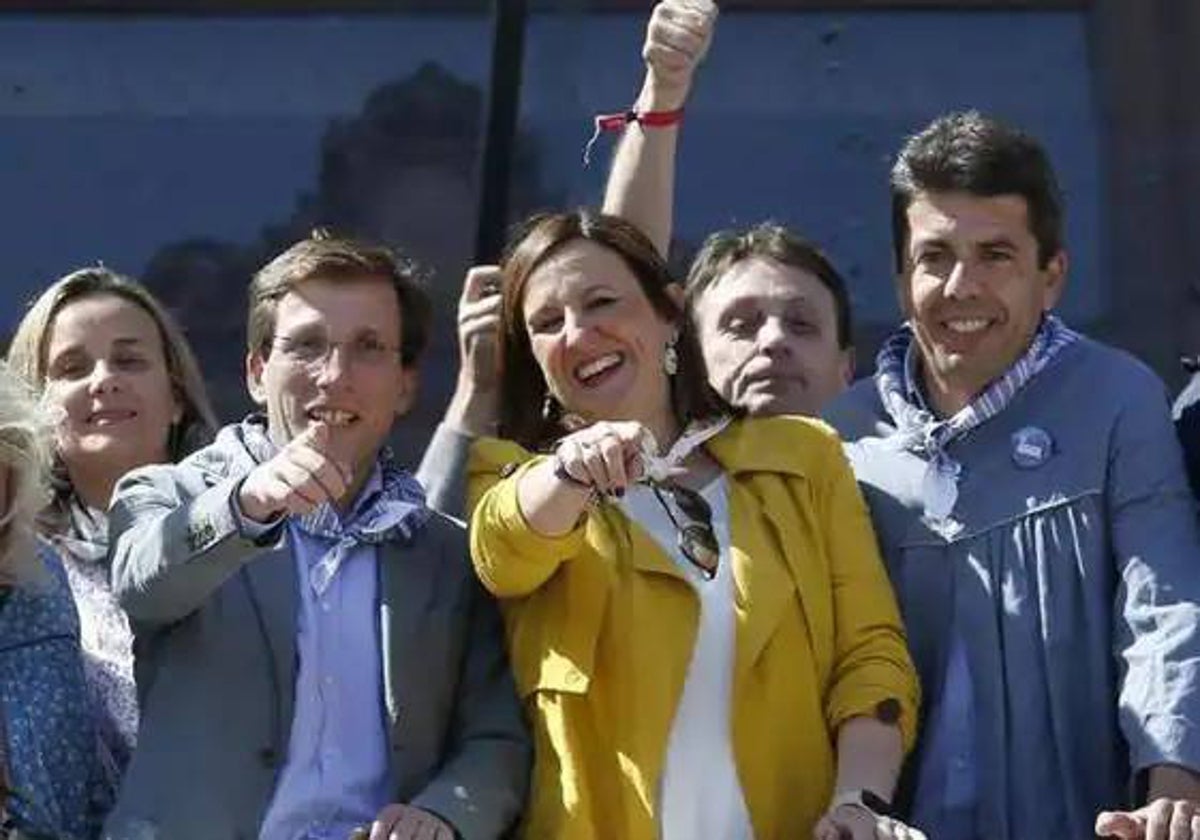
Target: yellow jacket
[601,626]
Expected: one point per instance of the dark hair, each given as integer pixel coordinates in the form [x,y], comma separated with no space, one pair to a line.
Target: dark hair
[523,386]
[968,152]
[725,249]
[330,257]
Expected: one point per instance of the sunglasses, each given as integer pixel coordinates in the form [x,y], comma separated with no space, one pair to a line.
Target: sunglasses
[695,536]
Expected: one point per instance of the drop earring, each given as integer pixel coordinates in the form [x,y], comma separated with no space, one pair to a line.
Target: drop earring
[671,355]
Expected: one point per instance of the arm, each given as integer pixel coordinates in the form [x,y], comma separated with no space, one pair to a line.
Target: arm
[641,184]
[481,787]
[474,407]
[872,665]
[172,547]
[1157,613]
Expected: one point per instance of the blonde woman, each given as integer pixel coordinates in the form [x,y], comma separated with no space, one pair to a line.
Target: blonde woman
[117,370]
[52,782]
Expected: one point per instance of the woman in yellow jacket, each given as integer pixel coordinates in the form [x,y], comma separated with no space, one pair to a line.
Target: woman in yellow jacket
[699,623]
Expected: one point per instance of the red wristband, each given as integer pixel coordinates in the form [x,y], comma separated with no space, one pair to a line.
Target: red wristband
[619,122]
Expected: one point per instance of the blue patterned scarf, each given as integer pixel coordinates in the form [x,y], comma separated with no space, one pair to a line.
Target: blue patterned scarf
[921,431]
[395,510]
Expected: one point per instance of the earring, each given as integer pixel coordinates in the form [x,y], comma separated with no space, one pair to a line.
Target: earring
[548,407]
[671,355]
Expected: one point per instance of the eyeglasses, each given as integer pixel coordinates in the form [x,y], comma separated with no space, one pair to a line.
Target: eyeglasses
[695,537]
[314,351]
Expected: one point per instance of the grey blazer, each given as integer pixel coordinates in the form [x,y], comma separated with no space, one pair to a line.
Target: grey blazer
[214,616]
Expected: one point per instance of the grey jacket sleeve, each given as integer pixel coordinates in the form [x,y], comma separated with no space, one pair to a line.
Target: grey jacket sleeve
[174,538]
[481,787]
[443,471]
[1157,612]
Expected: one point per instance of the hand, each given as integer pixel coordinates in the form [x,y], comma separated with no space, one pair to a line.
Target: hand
[300,478]
[479,324]
[850,822]
[677,39]
[405,822]
[1162,819]
[606,456]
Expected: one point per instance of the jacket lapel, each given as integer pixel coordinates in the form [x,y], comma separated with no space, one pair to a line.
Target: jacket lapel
[407,591]
[272,584]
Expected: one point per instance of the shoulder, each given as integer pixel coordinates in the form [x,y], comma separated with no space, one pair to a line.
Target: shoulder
[788,444]
[199,470]
[857,411]
[1126,379]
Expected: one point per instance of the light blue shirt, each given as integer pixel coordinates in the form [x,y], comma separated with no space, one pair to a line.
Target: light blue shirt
[336,774]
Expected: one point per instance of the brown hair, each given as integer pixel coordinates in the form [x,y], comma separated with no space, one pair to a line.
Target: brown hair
[330,257]
[27,354]
[523,388]
[725,249]
[971,153]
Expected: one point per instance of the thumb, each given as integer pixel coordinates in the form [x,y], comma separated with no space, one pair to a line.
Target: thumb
[316,436]
[1120,824]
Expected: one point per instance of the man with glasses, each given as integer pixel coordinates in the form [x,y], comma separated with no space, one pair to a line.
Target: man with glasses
[314,654]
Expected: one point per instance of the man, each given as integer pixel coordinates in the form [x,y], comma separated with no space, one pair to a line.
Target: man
[1031,503]
[314,654]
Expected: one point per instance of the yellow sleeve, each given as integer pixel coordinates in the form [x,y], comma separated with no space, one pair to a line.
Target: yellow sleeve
[511,559]
[871,658]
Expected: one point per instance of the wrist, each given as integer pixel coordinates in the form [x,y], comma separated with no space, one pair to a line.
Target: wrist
[473,411]
[660,95]
[863,799]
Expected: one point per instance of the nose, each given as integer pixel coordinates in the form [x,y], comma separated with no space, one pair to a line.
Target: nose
[574,327]
[104,377]
[334,367]
[773,336]
[962,282]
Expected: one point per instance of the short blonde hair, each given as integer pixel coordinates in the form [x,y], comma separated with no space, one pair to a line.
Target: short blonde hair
[25,451]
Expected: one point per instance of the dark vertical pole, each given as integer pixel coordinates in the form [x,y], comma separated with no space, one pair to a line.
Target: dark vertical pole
[500,127]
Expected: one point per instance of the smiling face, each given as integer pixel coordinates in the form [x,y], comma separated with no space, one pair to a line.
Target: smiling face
[973,290]
[597,338]
[106,369]
[768,332]
[358,389]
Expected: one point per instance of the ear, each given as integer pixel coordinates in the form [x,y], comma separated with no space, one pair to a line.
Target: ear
[254,378]
[903,281]
[406,395]
[1055,275]
[675,293]
[846,364]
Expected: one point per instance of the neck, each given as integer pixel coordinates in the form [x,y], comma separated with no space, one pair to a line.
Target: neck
[94,486]
[945,398]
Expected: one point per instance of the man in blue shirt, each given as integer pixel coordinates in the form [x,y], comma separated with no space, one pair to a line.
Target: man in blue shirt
[314,653]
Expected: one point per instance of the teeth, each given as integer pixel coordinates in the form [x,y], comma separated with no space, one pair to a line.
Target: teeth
[598,366]
[333,416]
[967,325]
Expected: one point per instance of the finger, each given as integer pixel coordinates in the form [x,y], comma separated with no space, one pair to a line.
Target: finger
[482,281]
[321,468]
[613,452]
[301,480]
[382,827]
[824,830]
[1119,824]
[1195,826]
[683,21]
[299,493]
[1181,820]
[1158,819]
[594,466]
[487,306]
[482,327]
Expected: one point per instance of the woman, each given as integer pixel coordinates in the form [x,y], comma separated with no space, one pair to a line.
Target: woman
[52,782]
[699,623]
[128,392]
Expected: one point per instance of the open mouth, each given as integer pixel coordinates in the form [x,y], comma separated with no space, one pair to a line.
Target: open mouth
[967,326]
[590,374]
[334,417]
[110,416]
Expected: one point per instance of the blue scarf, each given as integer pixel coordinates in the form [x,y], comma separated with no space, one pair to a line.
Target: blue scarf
[396,510]
[921,431]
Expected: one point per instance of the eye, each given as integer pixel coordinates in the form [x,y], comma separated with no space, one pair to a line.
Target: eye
[369,344]
[743,324]
[545,323]
[931,257]
[600,301]
[801,325]
[69,367]
[997,255]
[131,361]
